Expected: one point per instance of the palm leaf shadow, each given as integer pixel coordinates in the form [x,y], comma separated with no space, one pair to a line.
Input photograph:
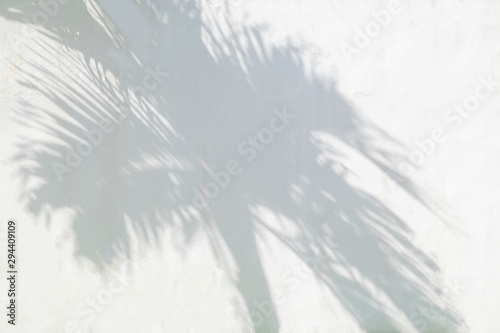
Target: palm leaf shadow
[142,174]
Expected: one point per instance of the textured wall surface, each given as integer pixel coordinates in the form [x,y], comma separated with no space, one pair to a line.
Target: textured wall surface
[251,166]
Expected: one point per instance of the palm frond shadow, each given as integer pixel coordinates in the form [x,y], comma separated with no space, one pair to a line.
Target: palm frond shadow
[175,137]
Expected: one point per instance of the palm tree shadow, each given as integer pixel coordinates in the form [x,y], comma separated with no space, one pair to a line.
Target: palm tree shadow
[164,141]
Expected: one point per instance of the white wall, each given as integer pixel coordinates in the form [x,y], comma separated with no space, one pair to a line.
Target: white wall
[336,224]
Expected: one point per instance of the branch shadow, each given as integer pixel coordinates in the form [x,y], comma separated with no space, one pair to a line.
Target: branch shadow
[153,139]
